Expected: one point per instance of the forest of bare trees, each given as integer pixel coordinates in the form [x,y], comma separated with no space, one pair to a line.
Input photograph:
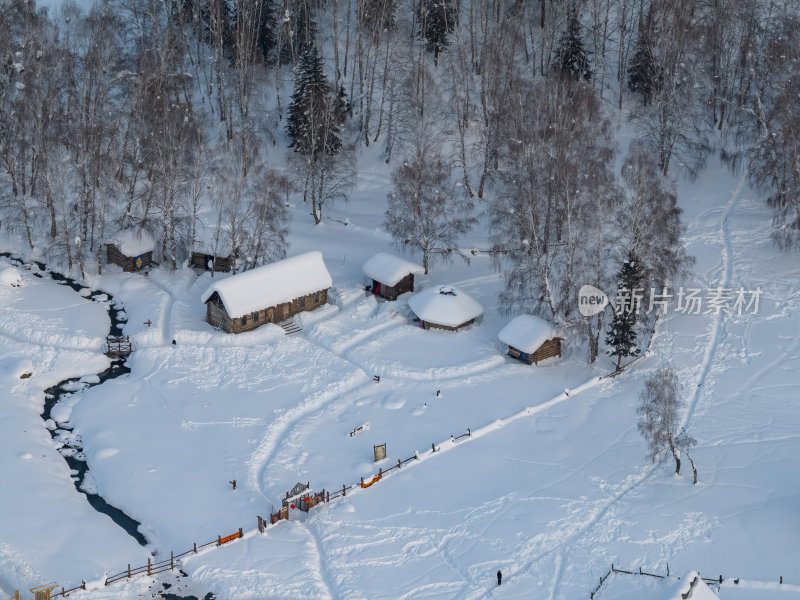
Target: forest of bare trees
[198,120]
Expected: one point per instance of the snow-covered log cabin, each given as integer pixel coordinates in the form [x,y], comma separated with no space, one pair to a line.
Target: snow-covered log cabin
[530,339]
[444,307]
[268,294]
[391,275]
[131,249]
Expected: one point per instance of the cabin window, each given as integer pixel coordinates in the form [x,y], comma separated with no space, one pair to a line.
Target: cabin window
[255,317]
[316,298]
[302,302]
[244,320]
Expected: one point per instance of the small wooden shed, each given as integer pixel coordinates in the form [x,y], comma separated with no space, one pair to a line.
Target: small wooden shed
[268,294]
[131,249]
[444,307]
[391,275]
[530,339]
[209,262]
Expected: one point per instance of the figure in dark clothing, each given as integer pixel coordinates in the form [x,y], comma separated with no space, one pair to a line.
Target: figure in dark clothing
[499,577]
[233,483]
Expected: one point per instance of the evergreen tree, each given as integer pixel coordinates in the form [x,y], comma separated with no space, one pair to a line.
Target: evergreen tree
[300,32]
[438,19]
[622,332]
[316,112]
[571,57]
[643,75]
[267,31]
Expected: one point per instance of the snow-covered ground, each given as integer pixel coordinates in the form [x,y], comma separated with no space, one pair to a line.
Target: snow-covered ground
[552,487]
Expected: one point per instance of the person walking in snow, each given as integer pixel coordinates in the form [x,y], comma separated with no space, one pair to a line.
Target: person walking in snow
[499,577]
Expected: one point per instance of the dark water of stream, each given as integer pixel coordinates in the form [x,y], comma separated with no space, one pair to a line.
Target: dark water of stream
[71,445]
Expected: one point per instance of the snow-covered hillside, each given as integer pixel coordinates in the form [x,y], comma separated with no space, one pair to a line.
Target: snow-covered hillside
[551,487]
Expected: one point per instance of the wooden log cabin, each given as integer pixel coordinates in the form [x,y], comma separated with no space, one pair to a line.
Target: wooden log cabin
[391,275]
[530,339]
[209,262]
[268,294]
[130,249]
[444,307]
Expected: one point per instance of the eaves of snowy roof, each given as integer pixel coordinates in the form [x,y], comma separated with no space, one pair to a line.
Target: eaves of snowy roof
[444,305]
[390,269]
[132,242]
[272,284]
[526,333]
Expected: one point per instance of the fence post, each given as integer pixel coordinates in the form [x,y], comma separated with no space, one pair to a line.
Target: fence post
[129,570]
[433,447]
[241,535]
[344,490]
[328,497]
[148,566]
[219,540]
[640,569]
[195,547]
[399,464]
[469,432]
[171,560]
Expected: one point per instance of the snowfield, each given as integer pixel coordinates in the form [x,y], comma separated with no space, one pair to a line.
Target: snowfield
[551,487]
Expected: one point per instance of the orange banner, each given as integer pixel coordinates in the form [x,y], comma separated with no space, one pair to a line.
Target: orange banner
[374,479]
[229,538]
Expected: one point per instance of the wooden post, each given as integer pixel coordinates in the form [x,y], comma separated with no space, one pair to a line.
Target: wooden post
[380,472]
[241,535]
[195,547]
[171,560]
[781,580]
[344,490]
[219,540]
[433,447]
[469,432]
[399,464]
[328,497]
[362,482]
[129,570]
[148,566]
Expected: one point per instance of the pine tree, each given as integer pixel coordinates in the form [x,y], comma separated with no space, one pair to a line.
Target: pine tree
[316,112]
[571,57]
[643,76]
[622,332]
[438,19]
[301,32]
[267,31]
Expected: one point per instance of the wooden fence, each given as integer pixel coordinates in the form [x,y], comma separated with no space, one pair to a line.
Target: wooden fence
[168,564]
[614,569]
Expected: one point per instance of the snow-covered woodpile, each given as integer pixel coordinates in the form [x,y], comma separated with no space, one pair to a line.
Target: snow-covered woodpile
[391,275]
[268,294]
[445,307]
[530,339]
[131,249]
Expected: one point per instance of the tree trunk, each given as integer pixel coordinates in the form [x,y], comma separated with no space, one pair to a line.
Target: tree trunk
[676,456]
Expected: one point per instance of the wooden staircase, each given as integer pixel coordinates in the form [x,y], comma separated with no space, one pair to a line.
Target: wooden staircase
[290,326]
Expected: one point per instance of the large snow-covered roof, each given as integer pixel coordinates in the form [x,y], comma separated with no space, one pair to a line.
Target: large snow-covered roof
[445,305]
[389,269]
[132,242]
[272,284]
[526,333]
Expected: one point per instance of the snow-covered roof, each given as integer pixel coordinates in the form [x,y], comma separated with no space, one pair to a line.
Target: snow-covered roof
[695,587]
[445,305]
[526,333]
[389,269]
[272,284]
[133,242]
